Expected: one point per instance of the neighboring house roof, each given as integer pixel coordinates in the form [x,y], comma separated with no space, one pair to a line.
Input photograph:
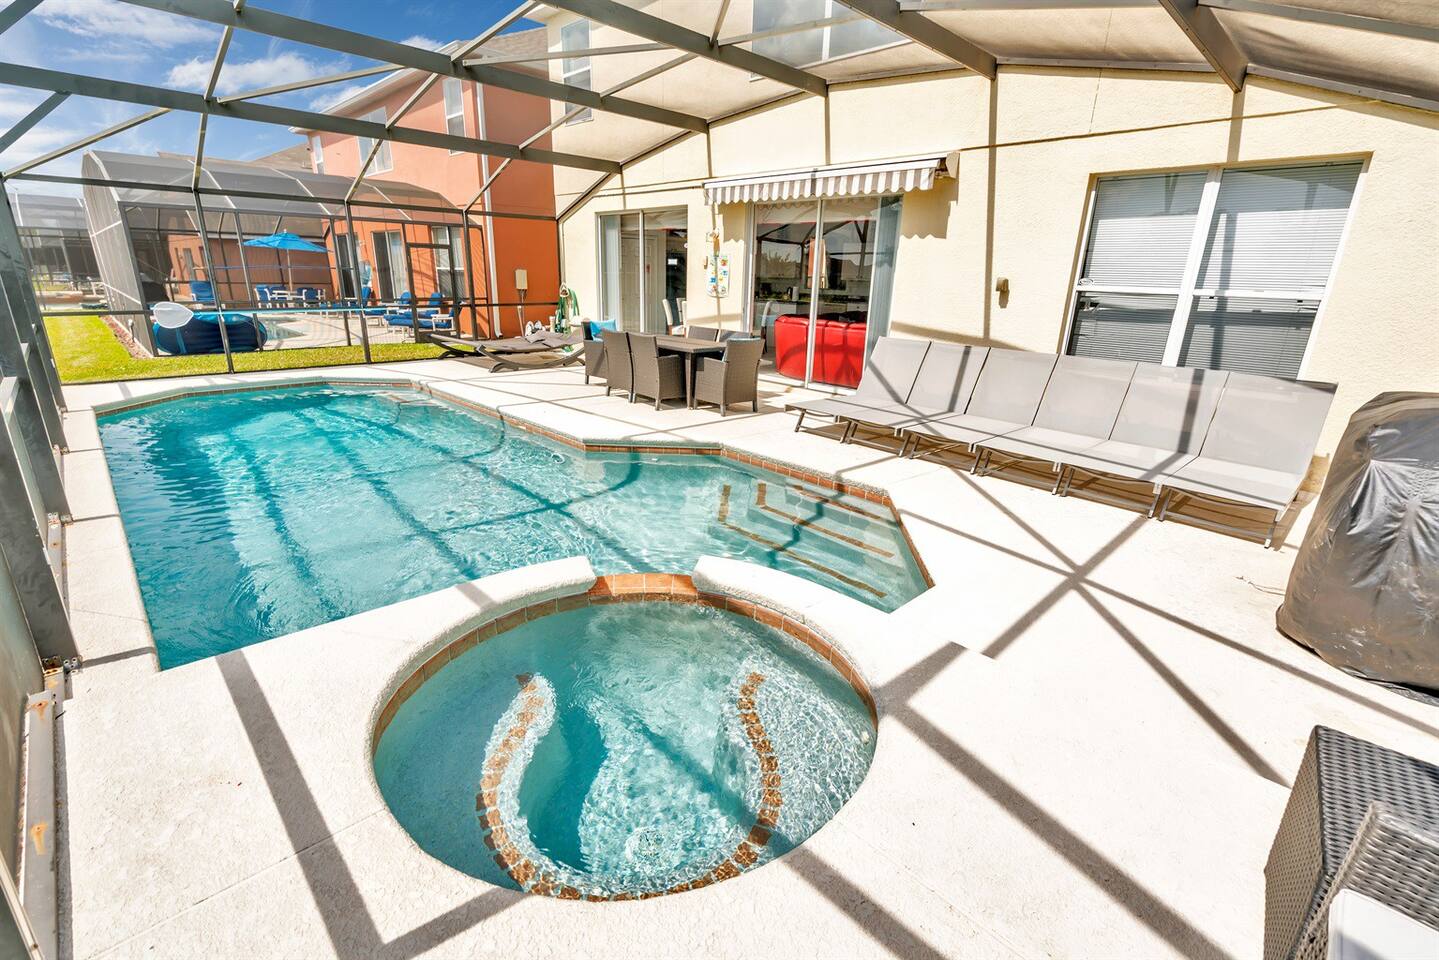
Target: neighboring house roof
[531,41]
[293,157]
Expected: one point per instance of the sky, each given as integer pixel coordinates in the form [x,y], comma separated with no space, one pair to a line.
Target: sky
[111,39]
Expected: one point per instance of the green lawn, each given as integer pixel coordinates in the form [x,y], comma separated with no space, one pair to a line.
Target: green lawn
[86,351]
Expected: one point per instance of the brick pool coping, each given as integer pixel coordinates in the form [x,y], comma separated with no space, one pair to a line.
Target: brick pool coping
[626,588]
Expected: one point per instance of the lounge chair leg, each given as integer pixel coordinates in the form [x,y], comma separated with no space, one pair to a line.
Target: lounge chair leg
[1164,504]
[1154,503]
[849,429]
[800,422]
[1058,479]
[754,406]
[1273,528]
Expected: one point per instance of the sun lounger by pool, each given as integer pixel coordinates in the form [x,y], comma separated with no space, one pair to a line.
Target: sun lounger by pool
[942,388]
[888,377]
[504,352]
[1160,427]
[1005,399]
[1078,410]
[1258,446]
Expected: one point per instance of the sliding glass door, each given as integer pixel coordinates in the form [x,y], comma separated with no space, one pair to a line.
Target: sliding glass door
[823,277]
[643,269]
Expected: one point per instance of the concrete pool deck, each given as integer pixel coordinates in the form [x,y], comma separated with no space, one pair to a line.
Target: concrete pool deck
[1087,731]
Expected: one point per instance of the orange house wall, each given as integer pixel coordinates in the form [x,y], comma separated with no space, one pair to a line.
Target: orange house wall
[523,188]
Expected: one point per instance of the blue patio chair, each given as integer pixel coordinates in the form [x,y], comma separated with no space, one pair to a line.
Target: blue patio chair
[202,291]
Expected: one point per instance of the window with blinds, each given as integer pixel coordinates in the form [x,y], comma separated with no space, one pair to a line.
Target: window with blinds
[575,71]
[1224,269]
[454,95]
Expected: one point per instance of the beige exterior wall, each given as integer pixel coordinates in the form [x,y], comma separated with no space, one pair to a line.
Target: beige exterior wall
[1029,148]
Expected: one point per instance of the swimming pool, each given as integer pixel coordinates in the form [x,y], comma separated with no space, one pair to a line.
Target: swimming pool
[594,753]
[251,515]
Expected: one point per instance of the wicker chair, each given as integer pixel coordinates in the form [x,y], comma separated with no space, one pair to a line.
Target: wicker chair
[1331,830]
[732,379]
[655,376]
[702,333]
[615,355]
[1392,862]
[594,353]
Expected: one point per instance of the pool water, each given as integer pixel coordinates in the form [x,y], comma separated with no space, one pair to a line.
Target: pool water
[256,514]
[624,749]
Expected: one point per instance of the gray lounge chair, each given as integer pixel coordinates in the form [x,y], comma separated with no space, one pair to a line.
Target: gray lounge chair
[733,378]
[943,387]
[1258,447]
[1078,410]
[888,377]
[703,333]
[619,369]
[1006,398]
[503,352]
[657,377]
[1160,428]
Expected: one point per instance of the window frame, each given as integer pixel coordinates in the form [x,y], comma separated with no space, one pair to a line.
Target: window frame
[569,73]
[317,154]
[602,286]
[384,162]
[1189,289]
[458,86]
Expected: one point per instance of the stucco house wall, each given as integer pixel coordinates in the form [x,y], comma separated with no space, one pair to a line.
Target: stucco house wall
[1029,147]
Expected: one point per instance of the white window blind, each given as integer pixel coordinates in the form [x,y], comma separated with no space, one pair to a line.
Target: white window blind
[454,108]
[382,161]
[1277,229]
[1224,269]
[317,153]
[1142,230]
[575,71]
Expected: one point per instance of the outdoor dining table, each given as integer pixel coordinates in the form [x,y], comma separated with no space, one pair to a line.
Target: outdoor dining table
[689,348]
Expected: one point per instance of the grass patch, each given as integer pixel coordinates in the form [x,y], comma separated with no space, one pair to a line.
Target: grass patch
[86,351]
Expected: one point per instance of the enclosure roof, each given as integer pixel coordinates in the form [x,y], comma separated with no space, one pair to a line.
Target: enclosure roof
[238,186]
[37,210]
[660,68]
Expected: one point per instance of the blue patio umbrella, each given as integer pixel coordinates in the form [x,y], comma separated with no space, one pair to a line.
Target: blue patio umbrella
[285,241]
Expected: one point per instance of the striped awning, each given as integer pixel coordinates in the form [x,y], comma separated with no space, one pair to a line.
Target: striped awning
[840,180]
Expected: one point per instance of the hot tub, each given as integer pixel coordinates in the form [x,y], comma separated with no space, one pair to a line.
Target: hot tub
[622,750]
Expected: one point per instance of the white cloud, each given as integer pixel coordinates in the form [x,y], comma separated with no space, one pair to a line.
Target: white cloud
[108,21]
[247,74]
[330,98]
[15,104]
[420,40]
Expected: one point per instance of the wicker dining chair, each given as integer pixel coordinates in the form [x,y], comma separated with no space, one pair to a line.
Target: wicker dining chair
[619,370]
[733,378]
[655,376]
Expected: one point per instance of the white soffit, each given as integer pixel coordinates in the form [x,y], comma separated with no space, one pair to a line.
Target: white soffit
[837,180]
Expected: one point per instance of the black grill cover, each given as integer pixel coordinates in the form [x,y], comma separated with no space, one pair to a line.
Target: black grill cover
[1364,591]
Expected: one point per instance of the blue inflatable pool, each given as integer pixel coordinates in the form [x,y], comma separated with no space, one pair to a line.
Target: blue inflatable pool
[202,334]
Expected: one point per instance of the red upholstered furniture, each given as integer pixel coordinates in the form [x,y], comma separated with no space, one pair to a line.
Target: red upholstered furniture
[791,333]
[838,349]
